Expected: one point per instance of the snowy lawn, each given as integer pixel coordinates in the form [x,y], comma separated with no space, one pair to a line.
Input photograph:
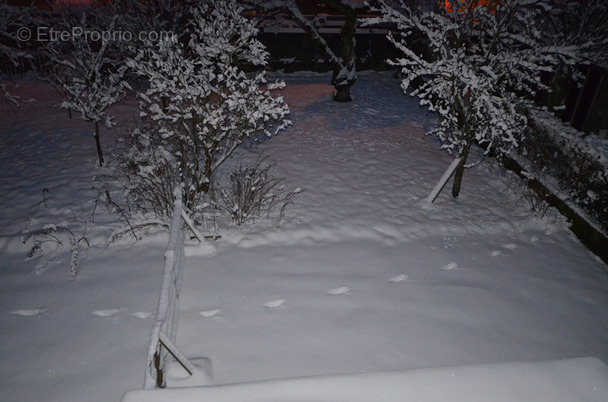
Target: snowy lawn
[64,338]
[360,277]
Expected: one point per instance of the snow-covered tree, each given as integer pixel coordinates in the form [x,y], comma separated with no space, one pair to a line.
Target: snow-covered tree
[479,67]
[87,67]
[8,53]
[149,21]
[343,60]
[200,104]
[14,41]
[582,24]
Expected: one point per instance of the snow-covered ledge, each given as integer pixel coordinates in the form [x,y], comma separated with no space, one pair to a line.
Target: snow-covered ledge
[578,379]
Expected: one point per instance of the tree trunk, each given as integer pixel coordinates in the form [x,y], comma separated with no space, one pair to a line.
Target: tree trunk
[345,74]
[342,94]
[560,87]
[98,143]
[460,171]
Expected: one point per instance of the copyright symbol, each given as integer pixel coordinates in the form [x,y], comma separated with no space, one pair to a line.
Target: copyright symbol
[24,34]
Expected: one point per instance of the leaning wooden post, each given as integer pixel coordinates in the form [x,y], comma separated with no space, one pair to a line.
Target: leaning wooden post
[192,227]
[443,181]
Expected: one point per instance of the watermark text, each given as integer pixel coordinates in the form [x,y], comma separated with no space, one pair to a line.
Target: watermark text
[49,34]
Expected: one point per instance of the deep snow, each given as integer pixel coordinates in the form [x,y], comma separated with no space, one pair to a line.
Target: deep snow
[362,276]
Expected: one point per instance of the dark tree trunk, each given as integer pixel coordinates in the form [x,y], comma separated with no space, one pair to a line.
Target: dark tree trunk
[98,143]
[342,94]
[561,85]
[460,171]
[345,74]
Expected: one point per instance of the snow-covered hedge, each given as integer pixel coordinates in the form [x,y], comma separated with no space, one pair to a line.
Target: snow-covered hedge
[577,164]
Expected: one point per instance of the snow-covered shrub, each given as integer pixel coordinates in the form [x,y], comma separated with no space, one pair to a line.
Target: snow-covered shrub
[56,235]
[150,172]
[252,192]
[481,69]
[200,104]
[134,226]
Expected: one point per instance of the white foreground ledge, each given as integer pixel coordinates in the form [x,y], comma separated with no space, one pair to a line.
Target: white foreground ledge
[579,379]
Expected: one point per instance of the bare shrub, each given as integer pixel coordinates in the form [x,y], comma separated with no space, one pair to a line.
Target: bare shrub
[57,235]
[252,192]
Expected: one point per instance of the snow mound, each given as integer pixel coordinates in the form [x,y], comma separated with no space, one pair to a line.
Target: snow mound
[581,379]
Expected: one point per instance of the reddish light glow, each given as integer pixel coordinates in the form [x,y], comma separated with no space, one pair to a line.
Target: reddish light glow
[72,2]
[462,6]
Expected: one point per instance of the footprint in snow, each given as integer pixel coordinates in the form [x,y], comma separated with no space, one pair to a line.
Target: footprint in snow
[35,312]
[40,269]
[210,313]
[275,303]
[399,278]
[339,291]
[141,314]
[106,313]
[449,266]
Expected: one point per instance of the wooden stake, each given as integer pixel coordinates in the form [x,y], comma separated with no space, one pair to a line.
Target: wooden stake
[193,228]
[443,181]
[176,353]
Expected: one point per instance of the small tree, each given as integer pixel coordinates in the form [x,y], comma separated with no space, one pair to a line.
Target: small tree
[213,105]
[482,70]
[87,67]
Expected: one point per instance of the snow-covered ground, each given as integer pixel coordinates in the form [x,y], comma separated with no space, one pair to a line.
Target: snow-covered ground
[580,379]
[361,276]
[66,339]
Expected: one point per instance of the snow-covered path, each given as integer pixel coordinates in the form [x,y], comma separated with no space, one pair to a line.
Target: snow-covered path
[362,277]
